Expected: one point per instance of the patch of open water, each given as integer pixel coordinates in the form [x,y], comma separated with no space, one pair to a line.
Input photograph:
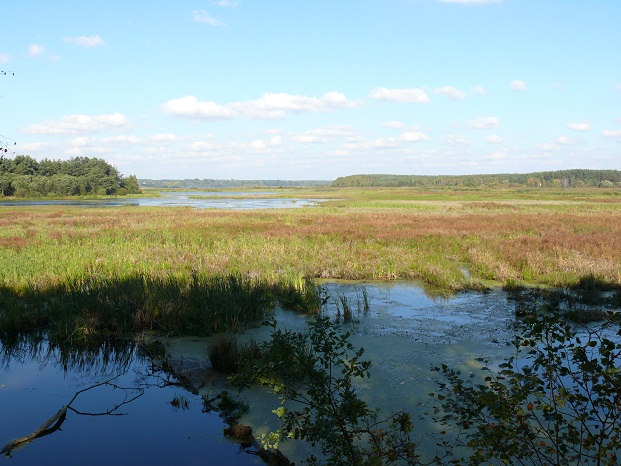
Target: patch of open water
[405,334]
[196,199]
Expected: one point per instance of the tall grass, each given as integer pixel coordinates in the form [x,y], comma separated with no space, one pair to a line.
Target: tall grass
[378,234]
[96,305]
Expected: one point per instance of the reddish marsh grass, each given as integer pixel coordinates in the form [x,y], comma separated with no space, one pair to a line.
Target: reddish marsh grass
[555,241]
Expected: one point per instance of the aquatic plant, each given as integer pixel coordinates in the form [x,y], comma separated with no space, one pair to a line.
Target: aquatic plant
[227,355]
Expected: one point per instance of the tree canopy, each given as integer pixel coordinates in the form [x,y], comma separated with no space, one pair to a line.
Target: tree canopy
[24,176]
[574,178]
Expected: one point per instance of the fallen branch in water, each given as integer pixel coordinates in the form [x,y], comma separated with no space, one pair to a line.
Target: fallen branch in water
[53,424]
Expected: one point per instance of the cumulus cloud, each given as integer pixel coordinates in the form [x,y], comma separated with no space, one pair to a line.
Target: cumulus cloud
[579,126]
[203,16]
[494,139]
[409,95]
[450,92]
[85,41]
[484,123]
[5,58]
[35,50]
[414,136]
[327,134]
[190,107]
[268,106]
[76,124]
[477,90]
[517,85]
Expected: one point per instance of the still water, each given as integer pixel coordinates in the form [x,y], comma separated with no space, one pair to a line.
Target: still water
[196,199]
[404,332]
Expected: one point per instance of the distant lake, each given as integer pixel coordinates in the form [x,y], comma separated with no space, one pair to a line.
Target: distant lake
[197,199]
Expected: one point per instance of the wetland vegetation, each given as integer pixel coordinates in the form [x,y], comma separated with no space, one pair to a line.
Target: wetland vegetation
[87,276]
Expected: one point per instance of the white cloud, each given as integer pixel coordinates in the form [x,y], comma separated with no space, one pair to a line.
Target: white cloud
[518,85]
[163,137]
[494,139]
[327,134]
[268,106]
[484,123]
[410,95]
[203,16]
[564,140]
[478,90]
[498,155]
[579,126]
[228,3]
[36,147]
[612,133]
[35,50]
[456,139]
[85,41]
[190,107]
[618,87]
[377,143]
[393,124]
[450,92]
[414,136]
[5,58]
[76,124]
[548,147]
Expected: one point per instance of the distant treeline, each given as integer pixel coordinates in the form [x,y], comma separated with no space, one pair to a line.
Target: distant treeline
[23,176]
[213,184]
[561,179]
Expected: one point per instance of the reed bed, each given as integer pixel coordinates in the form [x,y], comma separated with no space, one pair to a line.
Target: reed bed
[451,240]
[91,306]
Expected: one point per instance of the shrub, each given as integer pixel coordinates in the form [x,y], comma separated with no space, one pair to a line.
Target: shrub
[558,401]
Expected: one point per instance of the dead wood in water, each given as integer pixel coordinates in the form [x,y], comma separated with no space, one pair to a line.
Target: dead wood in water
[57,419]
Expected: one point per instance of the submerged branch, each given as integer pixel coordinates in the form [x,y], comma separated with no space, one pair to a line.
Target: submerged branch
[56,421]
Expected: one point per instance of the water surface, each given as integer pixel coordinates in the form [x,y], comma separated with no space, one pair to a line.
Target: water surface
[196,199]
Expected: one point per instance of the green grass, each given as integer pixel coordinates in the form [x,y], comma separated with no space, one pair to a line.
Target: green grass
[98,305]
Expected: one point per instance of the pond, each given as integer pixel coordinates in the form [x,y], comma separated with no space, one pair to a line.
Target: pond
[196,199]
[404,333]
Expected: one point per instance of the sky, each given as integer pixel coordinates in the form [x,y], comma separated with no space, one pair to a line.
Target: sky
[301,90]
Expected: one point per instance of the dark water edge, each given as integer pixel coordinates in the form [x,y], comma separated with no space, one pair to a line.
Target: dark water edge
[196,199]
[33,387]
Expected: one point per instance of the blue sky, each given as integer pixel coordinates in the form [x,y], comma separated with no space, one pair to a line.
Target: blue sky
[314,89]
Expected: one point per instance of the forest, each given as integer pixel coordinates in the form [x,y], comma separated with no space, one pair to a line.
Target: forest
[576,178]
[24,176]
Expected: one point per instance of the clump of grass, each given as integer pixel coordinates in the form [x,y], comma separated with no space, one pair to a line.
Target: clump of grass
[95,305]
[180,402]
[343,306]
[227,355]
[299,294]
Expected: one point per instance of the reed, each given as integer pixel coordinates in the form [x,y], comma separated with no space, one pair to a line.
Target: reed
[544,237]
[93,305]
